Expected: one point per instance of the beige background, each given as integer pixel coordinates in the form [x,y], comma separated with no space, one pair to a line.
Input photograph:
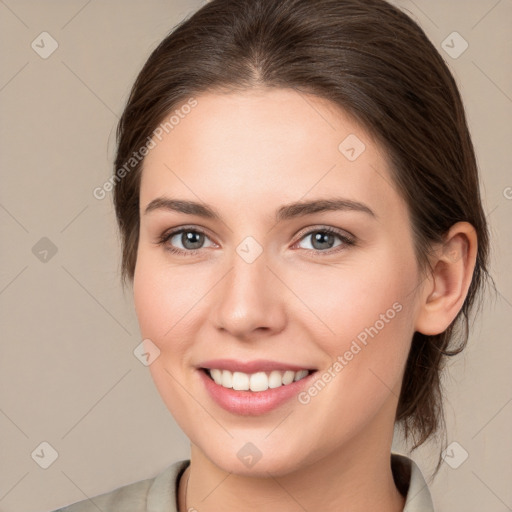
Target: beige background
[68,374]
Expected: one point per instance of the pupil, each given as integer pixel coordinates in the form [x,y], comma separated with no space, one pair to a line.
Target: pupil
[321,238]
[193,237]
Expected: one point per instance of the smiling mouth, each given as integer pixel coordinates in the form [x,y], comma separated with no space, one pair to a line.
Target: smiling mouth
[259,381]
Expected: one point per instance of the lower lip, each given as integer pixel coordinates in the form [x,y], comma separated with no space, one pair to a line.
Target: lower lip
[252,403]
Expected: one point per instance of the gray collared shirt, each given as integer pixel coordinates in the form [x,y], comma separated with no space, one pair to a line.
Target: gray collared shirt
[158,494]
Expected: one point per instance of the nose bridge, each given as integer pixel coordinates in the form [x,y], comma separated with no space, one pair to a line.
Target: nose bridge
[247,300]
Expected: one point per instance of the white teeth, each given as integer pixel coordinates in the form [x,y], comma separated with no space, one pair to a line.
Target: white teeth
[288,377]
[301,374]
[275,379]
[259,381]
[227,379]
[216,376]
[240,381]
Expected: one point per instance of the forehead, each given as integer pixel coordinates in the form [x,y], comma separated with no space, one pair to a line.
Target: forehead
[266,146]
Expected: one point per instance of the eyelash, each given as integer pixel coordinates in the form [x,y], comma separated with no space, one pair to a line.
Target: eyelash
[347,241]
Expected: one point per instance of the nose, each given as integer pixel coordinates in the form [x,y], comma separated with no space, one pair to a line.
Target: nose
[250,300]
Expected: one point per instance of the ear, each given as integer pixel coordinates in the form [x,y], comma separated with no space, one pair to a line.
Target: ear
[446,288]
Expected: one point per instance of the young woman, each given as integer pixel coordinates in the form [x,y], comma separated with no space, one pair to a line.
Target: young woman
[298,200]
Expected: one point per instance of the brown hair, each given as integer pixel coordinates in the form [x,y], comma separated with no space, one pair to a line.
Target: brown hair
[376,63]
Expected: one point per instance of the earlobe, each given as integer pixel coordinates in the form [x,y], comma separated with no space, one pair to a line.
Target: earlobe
[446,289]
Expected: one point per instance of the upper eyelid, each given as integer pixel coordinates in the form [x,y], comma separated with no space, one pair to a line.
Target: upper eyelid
[322,227]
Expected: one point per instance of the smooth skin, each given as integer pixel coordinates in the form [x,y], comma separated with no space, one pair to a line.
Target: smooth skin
[246,155]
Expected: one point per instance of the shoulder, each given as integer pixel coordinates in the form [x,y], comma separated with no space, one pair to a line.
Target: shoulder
[411,483]
[155,494]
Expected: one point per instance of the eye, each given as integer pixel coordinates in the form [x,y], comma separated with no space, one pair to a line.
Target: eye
[192,240]
[324,238]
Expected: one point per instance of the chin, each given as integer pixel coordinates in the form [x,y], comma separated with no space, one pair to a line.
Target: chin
[247,459]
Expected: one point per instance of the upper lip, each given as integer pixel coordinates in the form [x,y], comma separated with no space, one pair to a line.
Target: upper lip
[249,367]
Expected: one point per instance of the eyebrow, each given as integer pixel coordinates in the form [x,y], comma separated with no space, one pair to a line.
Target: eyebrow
[285,212]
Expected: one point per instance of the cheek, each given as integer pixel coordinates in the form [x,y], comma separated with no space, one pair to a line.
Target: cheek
[362,313]
[347,299]
[164,298]
[149,306]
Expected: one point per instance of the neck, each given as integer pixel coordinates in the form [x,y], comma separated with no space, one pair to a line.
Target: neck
[356,478]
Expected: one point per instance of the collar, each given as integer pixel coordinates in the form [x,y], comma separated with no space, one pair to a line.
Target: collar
[162,495]
[410,482]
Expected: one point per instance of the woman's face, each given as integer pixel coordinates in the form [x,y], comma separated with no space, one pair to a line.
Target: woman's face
[263,283]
